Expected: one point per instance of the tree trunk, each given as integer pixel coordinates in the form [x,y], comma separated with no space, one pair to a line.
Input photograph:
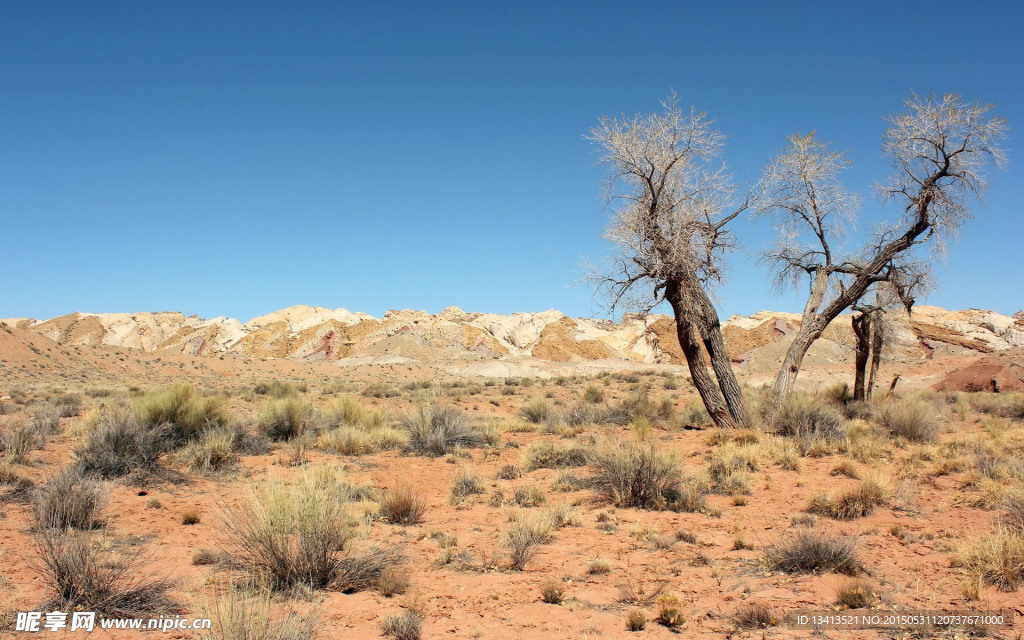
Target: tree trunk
[877,344]
[710,329]
[862,330]
[811,326]
[706,386]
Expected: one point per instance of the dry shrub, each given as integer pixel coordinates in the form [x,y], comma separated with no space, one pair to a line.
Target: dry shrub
[285,419]
[346,441]
[402,505]
[814,424]
[20,436]
[464,484]
[547,455]
[855,502]
[756,615]
[997,558]
[189,517]
[509,472]
[670,611]
[345,411]
[729,467]
[69,501]
[811,552]
[436,430]
[1014,515]
[82,575]
[637,474]
[526,533]
[120,444]
[552,592]
[636,620]
[299,536]
[912,418]
[598,566]
[402,627]
[254,616]
[393,581]
[856,594]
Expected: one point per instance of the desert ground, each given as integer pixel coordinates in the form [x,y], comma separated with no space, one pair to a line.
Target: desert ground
[329,475]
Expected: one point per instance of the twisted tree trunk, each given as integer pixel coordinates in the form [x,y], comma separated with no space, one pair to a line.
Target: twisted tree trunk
[862,331]
[691,346]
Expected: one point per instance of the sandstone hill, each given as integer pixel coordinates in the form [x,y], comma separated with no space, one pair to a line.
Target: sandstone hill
[931,345]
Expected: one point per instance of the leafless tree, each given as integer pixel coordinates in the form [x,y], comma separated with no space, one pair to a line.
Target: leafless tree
[872,327]
[939,150]
[671,200]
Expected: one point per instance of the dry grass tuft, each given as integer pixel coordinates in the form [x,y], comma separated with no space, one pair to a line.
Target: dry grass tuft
[997,558]
[856,502]
[857,594]
[756,615]
[552,592]
[402,505]
[402,627]
[635,474]
[526,533]
[912,418]
[811,552]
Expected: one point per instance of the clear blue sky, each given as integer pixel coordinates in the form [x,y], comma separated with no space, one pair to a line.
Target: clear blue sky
[235,158]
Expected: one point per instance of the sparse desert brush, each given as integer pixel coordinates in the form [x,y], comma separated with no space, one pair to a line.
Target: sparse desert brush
[593,395]
[18,436]
[509,472]
[856,502]
[253,615]
[380,391]
[346,441]
[856,593]
[275,389]
[12,478]
[809,551]
[464,484]
[529,496]
[536,410]
[548,455]
[345,411]
[436,430]
[46,418]
[292,536]
[729,467]
[69,500]
[846,468]
[693,415]
[567,481]
[405,626]
[393,581]
[635,474]
[525,534]
[81,574]
[564,515]
[598,566]
[120,444]
[636,620]
[285,419]
[912,418]
[810,421]
[755,615]
[202,557]
[189,517]
[402,505]
[185,413]
[1014,514]
[213,451]
[997,558]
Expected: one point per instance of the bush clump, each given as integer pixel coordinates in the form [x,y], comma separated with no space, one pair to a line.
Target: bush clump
[69,500]
[911,418]
[120,445]
[436,430]
[811,552]
[635,474]
[186,414]
[283,420]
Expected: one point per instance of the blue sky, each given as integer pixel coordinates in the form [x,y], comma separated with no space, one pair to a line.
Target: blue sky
[236,158]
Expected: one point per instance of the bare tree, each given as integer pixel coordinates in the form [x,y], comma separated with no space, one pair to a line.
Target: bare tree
[671,202]
[871,326]
[939,150]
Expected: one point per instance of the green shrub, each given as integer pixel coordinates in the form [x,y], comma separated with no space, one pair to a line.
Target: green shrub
[284,419]
[186,414]
[536,410]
